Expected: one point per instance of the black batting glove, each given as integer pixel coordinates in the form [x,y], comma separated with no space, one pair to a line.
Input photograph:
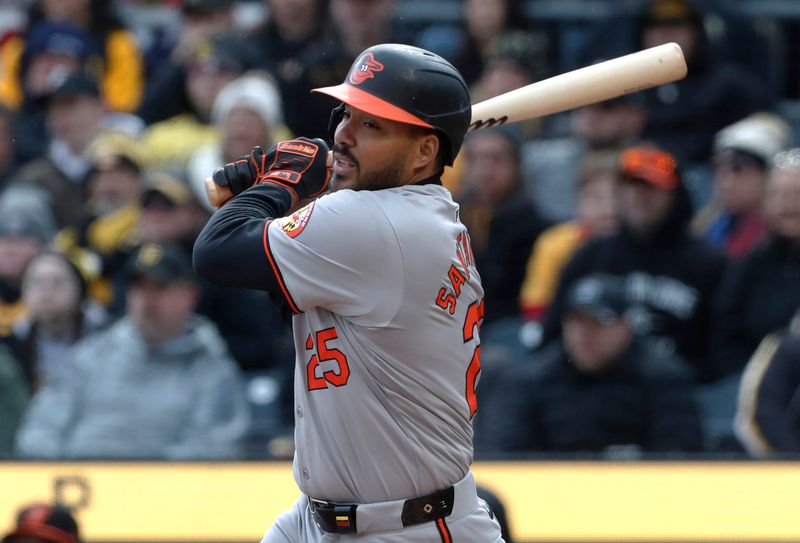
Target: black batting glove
[242,173]
[300,165]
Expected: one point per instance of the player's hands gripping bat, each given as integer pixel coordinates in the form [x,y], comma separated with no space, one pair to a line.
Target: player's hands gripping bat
[302,165]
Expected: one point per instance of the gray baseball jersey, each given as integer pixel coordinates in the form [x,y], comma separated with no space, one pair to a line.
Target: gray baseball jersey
[387,305]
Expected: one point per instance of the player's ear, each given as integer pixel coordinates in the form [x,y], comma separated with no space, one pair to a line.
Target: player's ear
[427,149]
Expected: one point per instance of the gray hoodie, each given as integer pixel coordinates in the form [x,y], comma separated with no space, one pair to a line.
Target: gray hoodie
[124,399]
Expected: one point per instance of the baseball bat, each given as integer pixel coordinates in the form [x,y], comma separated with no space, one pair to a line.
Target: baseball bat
[591,84]
[596,83]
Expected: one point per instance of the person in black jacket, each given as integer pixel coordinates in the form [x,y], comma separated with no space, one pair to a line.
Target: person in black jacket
[760,293]
[502,220]
[686,114]
[670,277]
[768,415]
[294,36]
[596,389]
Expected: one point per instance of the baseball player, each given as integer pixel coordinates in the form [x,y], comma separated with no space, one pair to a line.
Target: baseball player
[385,299]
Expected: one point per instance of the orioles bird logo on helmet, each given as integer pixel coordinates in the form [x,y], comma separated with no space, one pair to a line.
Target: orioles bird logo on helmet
[365,69]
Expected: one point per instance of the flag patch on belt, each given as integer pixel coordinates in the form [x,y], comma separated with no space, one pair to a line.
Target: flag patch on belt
[342,522]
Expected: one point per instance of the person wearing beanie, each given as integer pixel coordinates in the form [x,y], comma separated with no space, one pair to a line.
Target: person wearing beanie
[743,153]
[247,112]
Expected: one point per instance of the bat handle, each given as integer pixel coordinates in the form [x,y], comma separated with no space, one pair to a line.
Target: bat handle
[218,195]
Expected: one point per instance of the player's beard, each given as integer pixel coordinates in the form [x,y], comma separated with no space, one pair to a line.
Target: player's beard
[383,176]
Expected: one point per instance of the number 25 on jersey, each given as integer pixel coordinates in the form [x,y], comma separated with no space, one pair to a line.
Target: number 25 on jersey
[331,374]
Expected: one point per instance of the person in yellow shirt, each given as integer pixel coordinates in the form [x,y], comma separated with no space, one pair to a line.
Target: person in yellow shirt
[114,57]
[596,216]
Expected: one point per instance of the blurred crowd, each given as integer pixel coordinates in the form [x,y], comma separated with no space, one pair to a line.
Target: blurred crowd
[640,256]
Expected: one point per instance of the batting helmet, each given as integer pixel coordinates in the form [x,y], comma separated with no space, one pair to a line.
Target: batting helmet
[410,85]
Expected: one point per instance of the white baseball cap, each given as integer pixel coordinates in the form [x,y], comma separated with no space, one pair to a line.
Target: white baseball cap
[762,135]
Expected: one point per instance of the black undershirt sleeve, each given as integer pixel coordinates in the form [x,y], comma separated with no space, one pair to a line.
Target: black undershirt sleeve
[230,250]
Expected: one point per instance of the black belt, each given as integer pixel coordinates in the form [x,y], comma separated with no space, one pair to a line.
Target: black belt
[340,518]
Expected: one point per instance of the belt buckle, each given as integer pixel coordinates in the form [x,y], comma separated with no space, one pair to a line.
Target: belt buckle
[333,517]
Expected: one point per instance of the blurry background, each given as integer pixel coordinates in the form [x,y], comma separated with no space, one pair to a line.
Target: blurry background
[641,260]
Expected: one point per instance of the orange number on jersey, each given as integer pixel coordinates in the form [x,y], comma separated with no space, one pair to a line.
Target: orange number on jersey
[471,324]
[335,377]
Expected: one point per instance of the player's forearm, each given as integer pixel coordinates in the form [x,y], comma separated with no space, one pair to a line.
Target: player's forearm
[230,249]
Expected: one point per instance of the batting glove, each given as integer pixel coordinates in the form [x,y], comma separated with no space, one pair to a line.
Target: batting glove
[299,165]
[240,174]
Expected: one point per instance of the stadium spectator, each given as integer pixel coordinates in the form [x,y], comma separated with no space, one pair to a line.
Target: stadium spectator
[516,59]
[286,44]
[75,116]
[42,523]
[685,115]
[768,413]
[467,45]
[112,55]
[760,293]
[52,52]
[54,291]
[158,384]
[106,233]
[502,221]
[248,323]
[743,153]
[596,216]
[167,64]
[24,231]
[165,212]
[169,211]
[670,277]
[358,24]
[247,112]
[113,181]
[551,166]
[202,21]
[215,63]
[13,399]
[596,389]
[354,25]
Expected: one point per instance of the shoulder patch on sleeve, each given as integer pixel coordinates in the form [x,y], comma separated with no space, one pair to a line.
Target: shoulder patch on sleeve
[294,224]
